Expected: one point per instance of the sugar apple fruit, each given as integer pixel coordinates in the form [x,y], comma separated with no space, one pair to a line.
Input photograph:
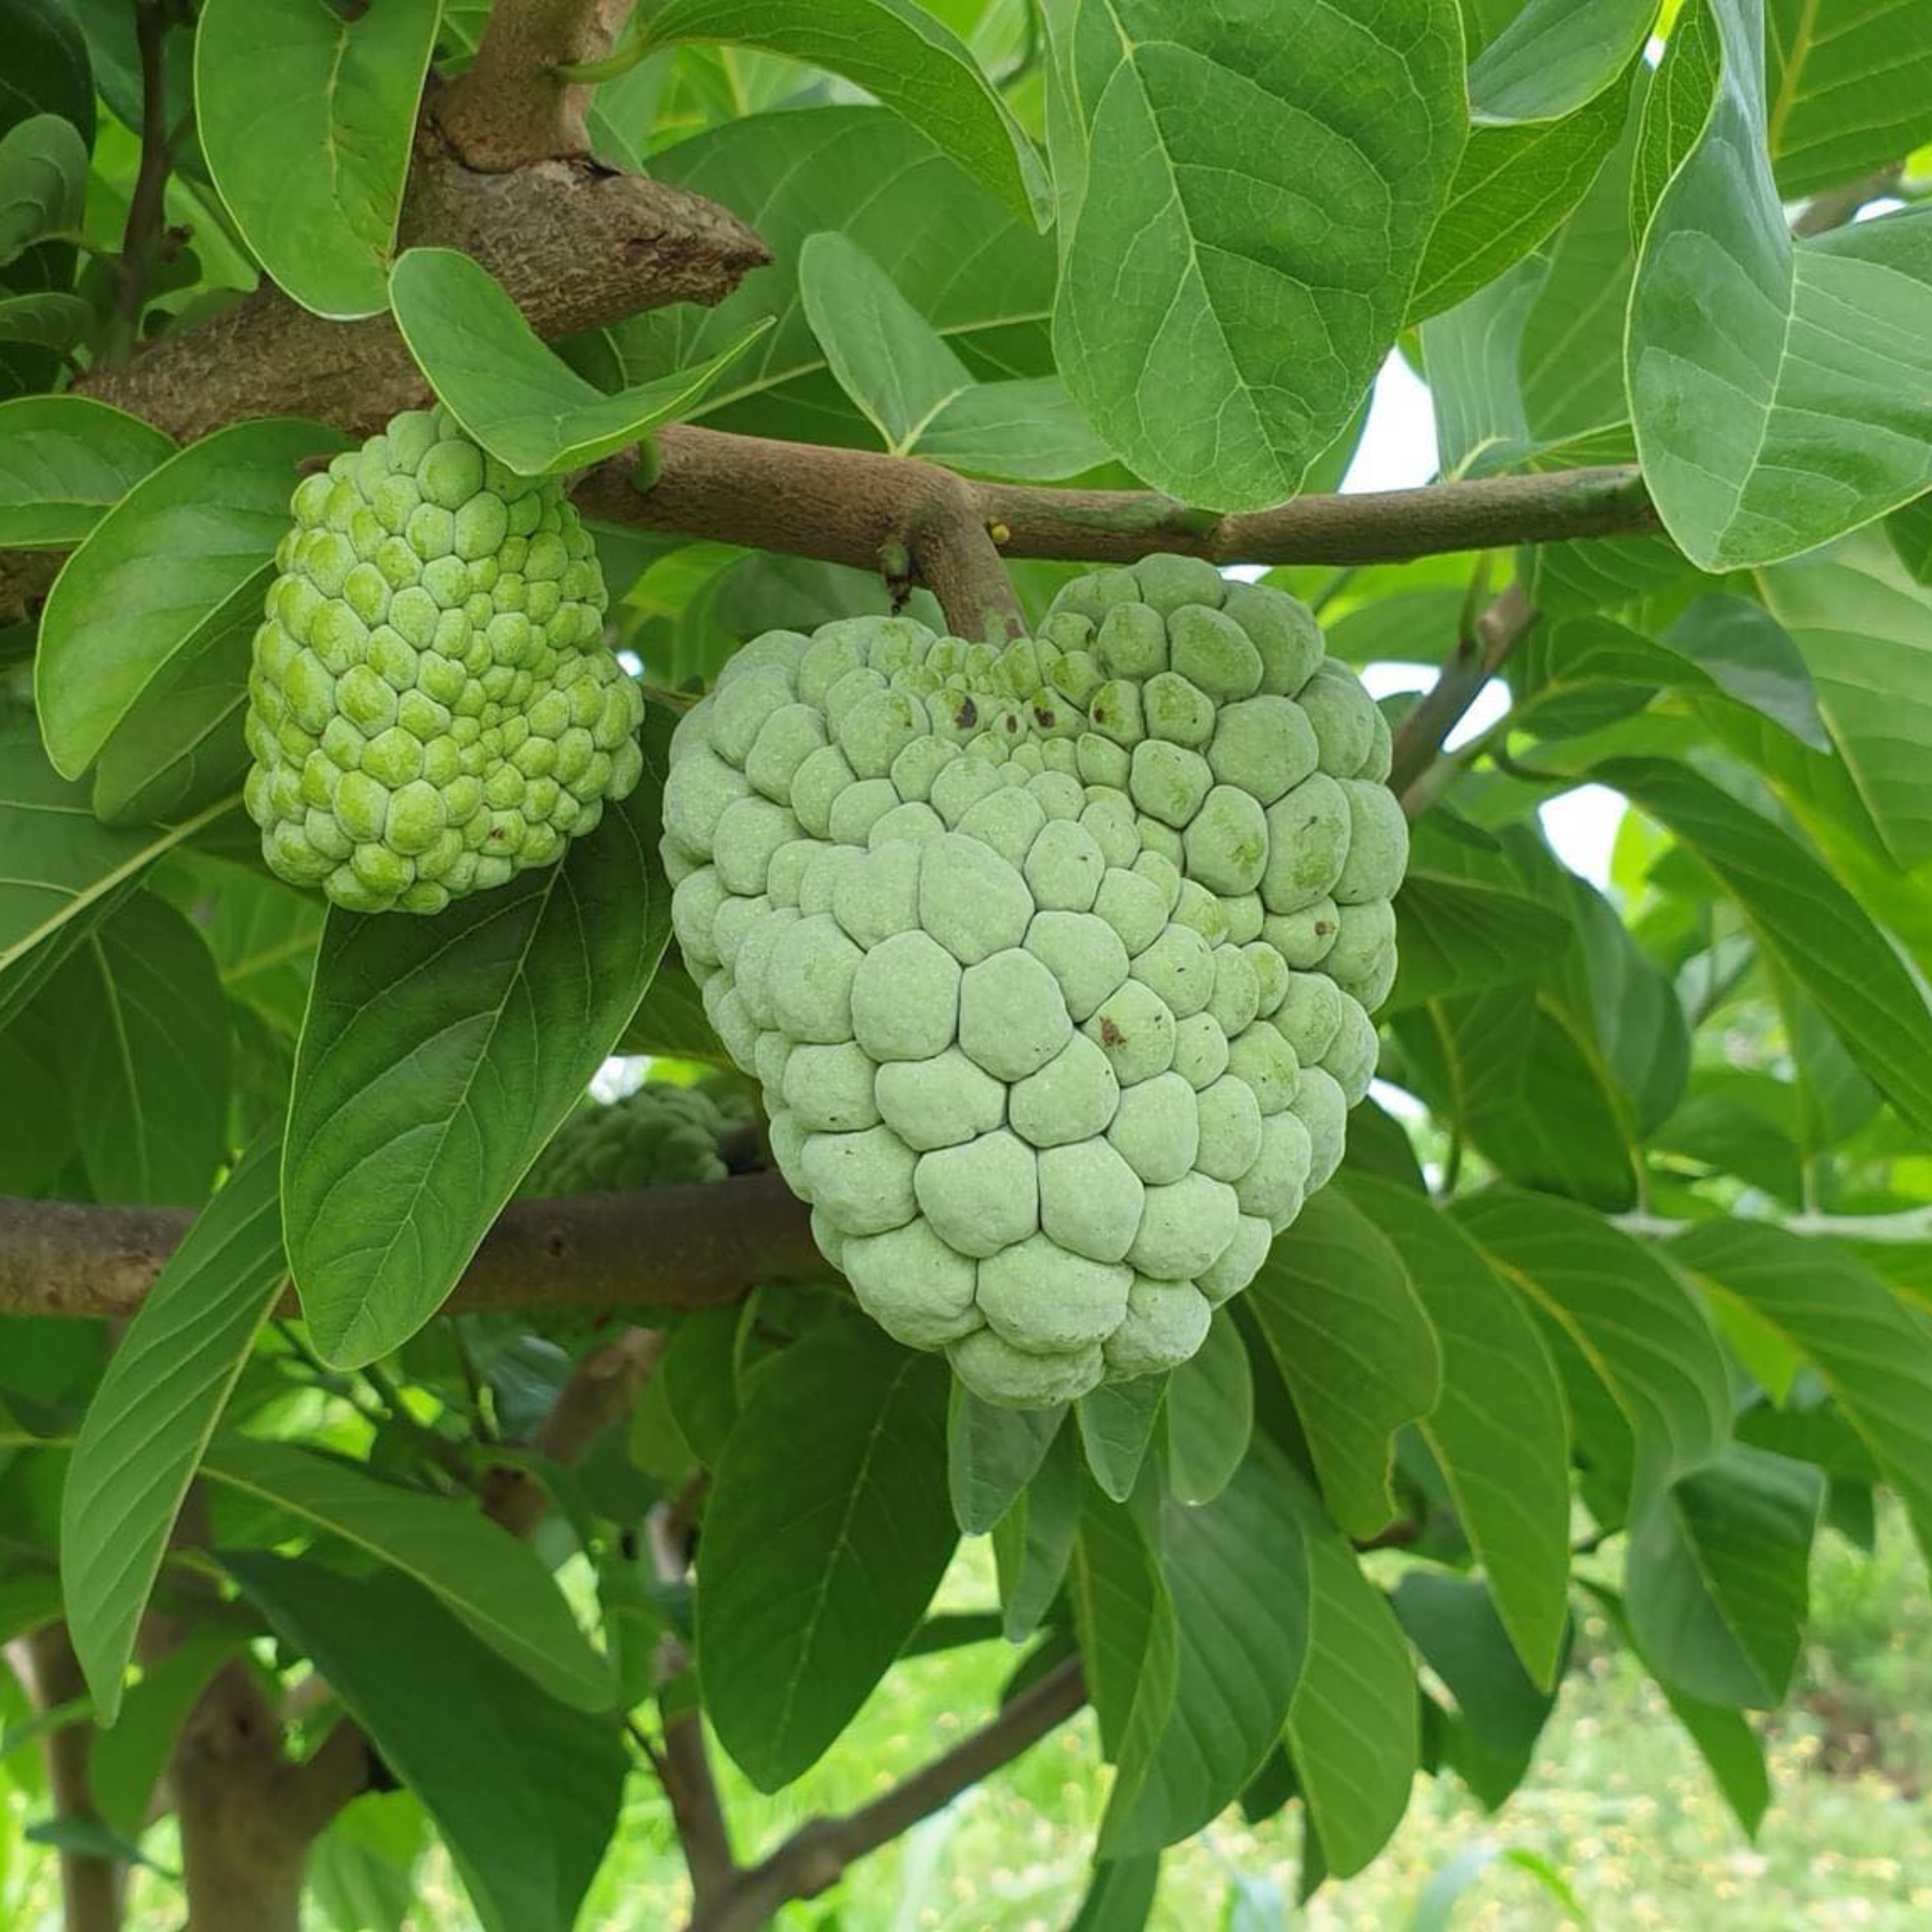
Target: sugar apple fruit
[659,1136]
[432,709]
[1055,962]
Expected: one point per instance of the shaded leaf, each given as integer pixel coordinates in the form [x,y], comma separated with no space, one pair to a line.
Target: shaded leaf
[64,460]
[1210,1415]
[184,556]
[1116,1421]
[817,1567]
[1355,1348]
[529,1836]
[503,1006]
[992,1455]
[1032,1542]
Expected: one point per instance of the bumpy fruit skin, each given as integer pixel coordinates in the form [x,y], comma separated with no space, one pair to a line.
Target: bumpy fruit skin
[659,1136]
[432,709]
[1055,961]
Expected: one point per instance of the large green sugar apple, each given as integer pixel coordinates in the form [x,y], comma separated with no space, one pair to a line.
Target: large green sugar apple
[659,1136]
[433,708]
[1055,962]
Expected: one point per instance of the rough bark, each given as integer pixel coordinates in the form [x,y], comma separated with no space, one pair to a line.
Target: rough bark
[508,108]
[689,1247]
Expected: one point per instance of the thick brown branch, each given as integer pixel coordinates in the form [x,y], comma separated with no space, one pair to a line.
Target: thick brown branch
[814,1858]
[575,246]
[508,109]
[1479,654]
[690,1247]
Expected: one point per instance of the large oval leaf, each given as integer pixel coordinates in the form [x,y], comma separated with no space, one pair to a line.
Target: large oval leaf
[306,115]
[497,1011]
[1244,210]
[180,559]
[828,1529]
[63,461]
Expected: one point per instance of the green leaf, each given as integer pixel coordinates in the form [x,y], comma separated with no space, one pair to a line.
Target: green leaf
[992,1455]
[1866,635]
[1457,937]
[1236,1576]
[1741,342]
[306,117]
[1498,1429]
[47,320]
[47,69]
[901,56]
[63,461]
[43,164]
[1472,355]
[1352,1729]
[1717,1576]
[494,1582]
[1116,1423]
[64,870]
[827,1532]
[261,932]
[1555,57]
[1245,202]
[893,193]
[1847,95]
[1119,1897]
[151,1419]
[916,393]
[183,557]
[1549,97]
[1033,1540]
[1872,1354]
[503,1007]
[1800,912]
[181,747]
[1640,1330]
[1123,1617]
[1514,185]
[1723,1738]
[126,1764]
[1210,1415]
[1334,1303]
[520,400]
[525,1790]
[144,1051]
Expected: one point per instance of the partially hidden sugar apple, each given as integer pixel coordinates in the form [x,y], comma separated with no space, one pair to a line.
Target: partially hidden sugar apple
[1054,961]
[432,709]
[659,1135]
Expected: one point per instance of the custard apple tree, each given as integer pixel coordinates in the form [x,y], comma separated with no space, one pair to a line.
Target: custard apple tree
[1077,848]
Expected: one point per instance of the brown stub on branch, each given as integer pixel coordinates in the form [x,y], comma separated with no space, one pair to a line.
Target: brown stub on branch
[689,1247]
[575,246]
[508,108]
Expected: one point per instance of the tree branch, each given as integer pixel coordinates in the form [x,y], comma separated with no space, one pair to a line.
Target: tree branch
[684,1765]
[147,212]
[575,246]
[690,1247]
[93,1888]
[814,1858]
[508,108]
[1479,654]
[1838,206]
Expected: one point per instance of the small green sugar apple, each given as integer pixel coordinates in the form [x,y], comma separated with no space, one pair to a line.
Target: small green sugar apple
[660,1135]
[432,709]
[1054,961]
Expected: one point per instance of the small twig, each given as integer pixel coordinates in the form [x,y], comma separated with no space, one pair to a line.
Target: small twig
[815,1857]
[683,1764]
[1479,654]
[147,208]
[1836,206]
